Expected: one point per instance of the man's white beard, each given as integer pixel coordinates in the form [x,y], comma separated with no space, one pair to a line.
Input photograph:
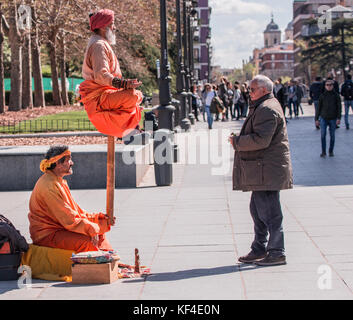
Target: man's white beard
[110,36]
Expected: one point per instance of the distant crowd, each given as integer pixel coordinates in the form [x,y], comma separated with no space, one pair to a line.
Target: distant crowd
[235,99]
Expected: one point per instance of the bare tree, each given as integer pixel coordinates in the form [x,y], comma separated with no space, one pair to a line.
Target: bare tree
[62,62]
[27,97]
[15,103]
[39,100]
[2,85]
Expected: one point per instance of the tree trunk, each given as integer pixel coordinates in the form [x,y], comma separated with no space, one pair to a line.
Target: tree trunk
[54,71]
[39,100]
[15,103]
[2,86]
[27,99]
[64,94]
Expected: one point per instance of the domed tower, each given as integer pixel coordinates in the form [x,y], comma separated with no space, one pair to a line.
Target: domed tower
[289,31]
[272,34]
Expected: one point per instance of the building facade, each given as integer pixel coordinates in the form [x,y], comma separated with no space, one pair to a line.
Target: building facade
[202,46]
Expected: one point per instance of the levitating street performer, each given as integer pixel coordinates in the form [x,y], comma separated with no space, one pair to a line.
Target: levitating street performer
[112,103]
[56,220]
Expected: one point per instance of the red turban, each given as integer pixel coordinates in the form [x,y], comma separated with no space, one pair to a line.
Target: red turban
[101,19]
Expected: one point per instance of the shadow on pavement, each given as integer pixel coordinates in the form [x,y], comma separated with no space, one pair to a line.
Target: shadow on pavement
[193,273]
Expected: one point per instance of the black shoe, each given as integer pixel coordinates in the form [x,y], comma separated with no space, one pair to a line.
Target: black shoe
[331,154]
[323,155]
[347,127]
[251,257]
[270,260]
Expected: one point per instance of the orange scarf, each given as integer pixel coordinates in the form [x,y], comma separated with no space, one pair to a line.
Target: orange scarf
[46,163]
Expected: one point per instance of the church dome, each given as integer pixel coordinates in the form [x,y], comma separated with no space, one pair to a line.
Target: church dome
[272,26]
[289,26]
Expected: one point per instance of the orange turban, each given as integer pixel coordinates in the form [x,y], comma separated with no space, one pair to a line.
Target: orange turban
[46,163]
[101,19]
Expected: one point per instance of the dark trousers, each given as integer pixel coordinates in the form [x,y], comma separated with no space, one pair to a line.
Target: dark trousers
[266,212]
[332,128]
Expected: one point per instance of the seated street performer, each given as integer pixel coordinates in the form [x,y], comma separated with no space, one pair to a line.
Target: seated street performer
[112,103]
[55,219]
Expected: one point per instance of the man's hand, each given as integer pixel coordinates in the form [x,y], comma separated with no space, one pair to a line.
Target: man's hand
[133,83]
[230,139]
[338,122]
[317,123]
[104,216]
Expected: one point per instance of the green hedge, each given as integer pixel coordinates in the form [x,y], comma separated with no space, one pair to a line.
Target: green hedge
[48,96]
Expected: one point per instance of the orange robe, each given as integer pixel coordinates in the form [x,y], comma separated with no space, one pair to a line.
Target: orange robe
[112,111]
[57,221]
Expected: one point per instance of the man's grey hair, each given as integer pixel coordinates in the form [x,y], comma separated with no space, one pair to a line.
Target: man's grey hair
[264,82]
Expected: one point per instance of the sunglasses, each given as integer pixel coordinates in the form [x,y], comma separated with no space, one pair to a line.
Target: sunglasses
[329,85]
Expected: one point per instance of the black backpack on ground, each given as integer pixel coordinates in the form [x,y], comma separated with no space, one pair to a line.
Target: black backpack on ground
[8,233]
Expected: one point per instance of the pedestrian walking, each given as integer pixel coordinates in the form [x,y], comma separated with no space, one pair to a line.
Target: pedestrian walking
[223,94]
[236,104]
[196,102]
[262,165]
[203,100]
[347,93]
[315,92]
[210,94]
[285,96]
[292,99]
[328,115]
[216,90]
[300,95]
[229,110]
[245,99]
[279,93]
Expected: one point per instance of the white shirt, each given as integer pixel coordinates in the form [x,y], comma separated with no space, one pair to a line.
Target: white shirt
[209,98]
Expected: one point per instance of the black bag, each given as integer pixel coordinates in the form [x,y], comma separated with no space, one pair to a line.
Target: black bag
[217,105]
[10,262]
[8,233]
[348,91]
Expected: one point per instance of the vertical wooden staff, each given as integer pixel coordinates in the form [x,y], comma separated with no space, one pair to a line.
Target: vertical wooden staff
[110,178]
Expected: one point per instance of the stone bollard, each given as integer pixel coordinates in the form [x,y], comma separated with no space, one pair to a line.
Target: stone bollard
[163,157]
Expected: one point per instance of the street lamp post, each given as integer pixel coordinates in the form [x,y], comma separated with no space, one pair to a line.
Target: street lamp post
[208,43]
[191,24]
[165,109]
[180,85]
[186,22]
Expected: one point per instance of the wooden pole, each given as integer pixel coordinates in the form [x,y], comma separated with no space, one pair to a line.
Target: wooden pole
[110,178]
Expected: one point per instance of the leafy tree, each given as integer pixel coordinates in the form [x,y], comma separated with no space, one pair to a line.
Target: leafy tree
[324,51]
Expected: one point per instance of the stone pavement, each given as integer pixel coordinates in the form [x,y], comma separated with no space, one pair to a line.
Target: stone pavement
[192,233]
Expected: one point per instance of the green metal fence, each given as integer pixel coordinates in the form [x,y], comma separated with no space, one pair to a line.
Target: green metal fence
[50,125]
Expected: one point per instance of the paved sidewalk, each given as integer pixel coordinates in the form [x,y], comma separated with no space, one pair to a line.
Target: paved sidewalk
[192,233]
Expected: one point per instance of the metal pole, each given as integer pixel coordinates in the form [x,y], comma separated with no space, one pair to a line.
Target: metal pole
[165,110]
[180,86]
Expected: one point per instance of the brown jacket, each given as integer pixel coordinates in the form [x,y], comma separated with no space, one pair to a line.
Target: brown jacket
[262,158]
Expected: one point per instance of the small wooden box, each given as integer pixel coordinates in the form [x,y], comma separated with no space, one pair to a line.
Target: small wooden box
[95,273]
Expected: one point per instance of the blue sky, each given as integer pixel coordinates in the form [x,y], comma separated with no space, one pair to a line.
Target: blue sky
[238,25]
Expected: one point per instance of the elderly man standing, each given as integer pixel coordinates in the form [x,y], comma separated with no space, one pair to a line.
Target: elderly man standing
[55,219]
[262,165]
[112,103]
